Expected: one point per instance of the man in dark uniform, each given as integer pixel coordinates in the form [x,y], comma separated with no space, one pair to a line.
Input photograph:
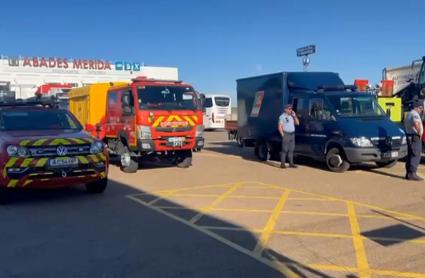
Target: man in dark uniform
[414,131]
[287,122]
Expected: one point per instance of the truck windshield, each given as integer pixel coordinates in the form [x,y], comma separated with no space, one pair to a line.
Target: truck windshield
[42,119]
[222,101]
[167,97]
[355,106]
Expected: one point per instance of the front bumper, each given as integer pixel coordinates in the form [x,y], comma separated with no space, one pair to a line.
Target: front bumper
[37,173]
[161,145]
[358,155]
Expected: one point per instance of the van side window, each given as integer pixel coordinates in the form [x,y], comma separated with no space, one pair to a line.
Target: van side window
[300,106]
[318,110]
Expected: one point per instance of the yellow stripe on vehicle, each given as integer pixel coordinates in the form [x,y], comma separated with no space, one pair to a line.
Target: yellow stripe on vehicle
[79,141]
[9,164]
[189,120]
[24,142]
[195,118]
[27,182]
[83,160]
[26,162]
[102,175]
[94,158]
[12,183]
[59,141]
[160,119]
[101,157]
[40,142]
[42,162]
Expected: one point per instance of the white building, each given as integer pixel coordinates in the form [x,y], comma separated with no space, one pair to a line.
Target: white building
[25,74]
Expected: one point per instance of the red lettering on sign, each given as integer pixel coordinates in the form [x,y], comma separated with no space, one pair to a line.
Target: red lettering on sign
[43,63]
[85,64]
[59,63]
[27,62]
[52,62]
[107,66]
[77,64]
[91,64]
[65,63]
[35,62]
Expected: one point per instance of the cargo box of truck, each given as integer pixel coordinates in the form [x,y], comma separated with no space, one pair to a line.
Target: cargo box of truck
[338,125]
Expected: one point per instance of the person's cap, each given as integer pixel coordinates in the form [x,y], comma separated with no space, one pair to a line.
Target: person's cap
[287,106]
[418,103]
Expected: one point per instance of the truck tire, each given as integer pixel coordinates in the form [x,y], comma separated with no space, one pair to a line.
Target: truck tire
[386,164]
[128,163]
[336,161]
[97,187]
[262,151]
[184,159]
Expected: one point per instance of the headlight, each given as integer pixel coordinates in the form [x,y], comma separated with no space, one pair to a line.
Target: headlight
[404,140]
[361,142]
[96,147]
[144,132]
[199,131]
[17,151]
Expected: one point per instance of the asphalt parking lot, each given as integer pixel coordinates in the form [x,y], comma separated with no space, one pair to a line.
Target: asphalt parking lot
[227,216]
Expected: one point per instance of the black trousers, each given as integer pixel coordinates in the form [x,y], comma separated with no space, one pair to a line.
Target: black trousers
[288,147]
[414,151]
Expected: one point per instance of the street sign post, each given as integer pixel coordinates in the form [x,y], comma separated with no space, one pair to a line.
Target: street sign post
[304,52]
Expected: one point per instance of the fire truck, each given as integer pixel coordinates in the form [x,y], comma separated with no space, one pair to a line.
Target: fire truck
[146,117]
[57,91]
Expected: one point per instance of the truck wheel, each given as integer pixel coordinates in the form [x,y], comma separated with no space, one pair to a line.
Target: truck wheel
[97,187]
[128,163]
[386,164]
[184,159]
[336,161]
[262,151]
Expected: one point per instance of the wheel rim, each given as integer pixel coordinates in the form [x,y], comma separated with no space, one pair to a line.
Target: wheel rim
[335,161]
[125,159]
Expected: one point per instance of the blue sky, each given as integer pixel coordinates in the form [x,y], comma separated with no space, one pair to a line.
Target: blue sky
[215,42]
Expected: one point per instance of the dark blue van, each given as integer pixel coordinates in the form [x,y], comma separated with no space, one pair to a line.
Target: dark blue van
[338,125]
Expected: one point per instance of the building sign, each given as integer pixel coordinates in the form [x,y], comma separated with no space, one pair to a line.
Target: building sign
[75,64]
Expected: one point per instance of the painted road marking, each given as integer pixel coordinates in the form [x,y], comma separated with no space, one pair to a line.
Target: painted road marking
[360,251]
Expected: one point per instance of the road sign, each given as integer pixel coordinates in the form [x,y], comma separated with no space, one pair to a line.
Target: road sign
[306,50]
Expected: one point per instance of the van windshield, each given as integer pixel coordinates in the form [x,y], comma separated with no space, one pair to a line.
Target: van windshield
[167,97]
[222,101]
[355,106]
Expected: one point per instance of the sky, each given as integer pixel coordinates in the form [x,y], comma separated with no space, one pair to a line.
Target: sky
[213,43]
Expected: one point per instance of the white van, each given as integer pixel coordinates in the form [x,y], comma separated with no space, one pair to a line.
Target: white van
[217,110]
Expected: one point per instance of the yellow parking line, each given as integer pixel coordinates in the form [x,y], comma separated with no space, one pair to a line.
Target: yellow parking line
[279,267]
[271,223]
[242,210]
[220,199]
[314,213]
[359,248]
[310,234]
[312,199]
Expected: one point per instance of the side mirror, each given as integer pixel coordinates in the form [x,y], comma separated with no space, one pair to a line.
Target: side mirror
[202,102]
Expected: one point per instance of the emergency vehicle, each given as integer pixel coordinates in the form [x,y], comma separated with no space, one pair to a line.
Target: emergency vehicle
[57,91]
[43,146]
[145,117]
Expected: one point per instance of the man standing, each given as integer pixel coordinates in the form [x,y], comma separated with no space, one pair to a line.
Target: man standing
[286,126]
[414,131]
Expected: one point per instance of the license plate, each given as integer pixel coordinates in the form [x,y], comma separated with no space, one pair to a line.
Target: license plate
[63,162]
[390,155]
[176,141]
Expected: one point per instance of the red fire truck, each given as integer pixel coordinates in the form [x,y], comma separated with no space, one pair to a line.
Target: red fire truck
[145,117]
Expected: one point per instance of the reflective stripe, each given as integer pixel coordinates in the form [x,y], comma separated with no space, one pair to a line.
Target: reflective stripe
[42,162]
[12,183]
[102,175]
[156,123]
[101,157]
[94,158]
[27,182]
[9,164]
[195,118]
[83,160]
[25,142]
[40,142]
[187,118]
[27,162]
[60,141]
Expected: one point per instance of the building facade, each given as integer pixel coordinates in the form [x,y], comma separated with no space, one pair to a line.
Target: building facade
[25,74]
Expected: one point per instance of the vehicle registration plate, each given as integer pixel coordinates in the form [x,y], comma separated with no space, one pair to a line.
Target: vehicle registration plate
[176,141]
[390,155]
[63,162]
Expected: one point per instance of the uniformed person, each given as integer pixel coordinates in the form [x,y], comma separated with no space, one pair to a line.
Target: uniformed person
[414,131]
[287,122]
